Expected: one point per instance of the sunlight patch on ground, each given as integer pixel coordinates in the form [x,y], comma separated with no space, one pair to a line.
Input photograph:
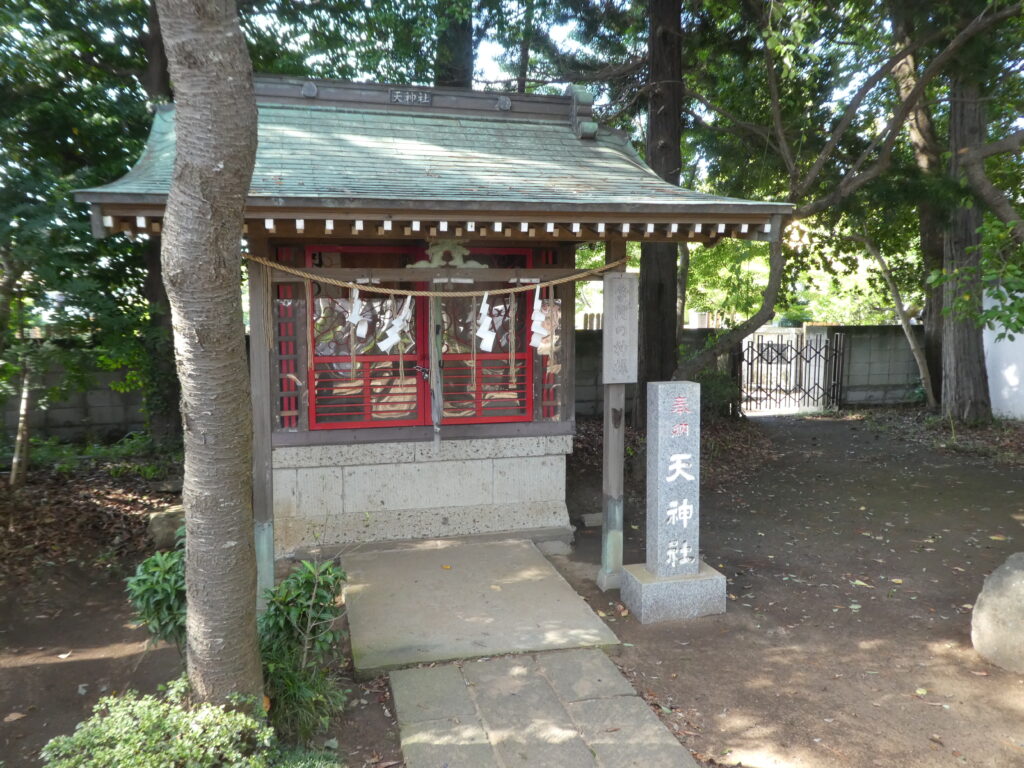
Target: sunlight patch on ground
[53,655]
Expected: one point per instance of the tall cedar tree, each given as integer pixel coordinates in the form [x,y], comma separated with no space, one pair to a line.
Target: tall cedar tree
[664,134]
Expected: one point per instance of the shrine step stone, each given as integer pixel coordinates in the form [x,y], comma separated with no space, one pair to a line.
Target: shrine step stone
[449,599]
[563,709]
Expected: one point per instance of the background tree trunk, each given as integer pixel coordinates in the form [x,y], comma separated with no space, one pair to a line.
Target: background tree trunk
[453,61]
[965,396]
[658,349]
[916,348]
[925,144]
[163,392]
[216,146]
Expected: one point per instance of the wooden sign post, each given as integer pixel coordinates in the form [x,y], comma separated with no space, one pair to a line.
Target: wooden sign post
[618,368]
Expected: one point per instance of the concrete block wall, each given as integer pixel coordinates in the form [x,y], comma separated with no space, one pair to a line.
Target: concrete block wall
[345,494]
[589,388]
[879,367]
[99,413]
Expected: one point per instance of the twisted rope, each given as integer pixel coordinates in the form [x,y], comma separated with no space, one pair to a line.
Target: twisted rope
[365,288]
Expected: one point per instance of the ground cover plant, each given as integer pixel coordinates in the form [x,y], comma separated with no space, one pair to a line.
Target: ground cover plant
[169,731]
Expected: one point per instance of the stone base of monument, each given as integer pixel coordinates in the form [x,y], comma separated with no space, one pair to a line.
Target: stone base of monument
[653,599]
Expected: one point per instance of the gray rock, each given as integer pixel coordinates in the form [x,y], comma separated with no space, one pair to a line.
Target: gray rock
[170,485]
[997,624]
[164,524]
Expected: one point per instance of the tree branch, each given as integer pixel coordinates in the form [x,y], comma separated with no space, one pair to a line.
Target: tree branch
[851,112]
[782,145]
[855,179]
[776,268]
[973,161]
[915,345]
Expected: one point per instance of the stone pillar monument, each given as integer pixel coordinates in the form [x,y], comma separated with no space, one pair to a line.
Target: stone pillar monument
[674,583]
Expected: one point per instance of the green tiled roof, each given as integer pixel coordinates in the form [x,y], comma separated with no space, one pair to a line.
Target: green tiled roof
[330,156]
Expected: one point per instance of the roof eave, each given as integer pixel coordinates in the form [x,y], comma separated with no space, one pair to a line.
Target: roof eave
[348,207]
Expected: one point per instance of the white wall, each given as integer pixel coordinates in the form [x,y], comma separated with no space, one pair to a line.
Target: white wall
[1005,362]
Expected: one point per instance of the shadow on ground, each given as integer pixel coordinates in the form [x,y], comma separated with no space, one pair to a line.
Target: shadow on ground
[853,559]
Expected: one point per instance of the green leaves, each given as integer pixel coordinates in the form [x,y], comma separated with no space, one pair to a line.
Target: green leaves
[157,593]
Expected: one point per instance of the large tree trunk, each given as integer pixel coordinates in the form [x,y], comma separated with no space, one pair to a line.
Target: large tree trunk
[658,349]
[162,393]
[216,146]
[931,225]
[453,60]
[965,396]
[523,67]
[682,282]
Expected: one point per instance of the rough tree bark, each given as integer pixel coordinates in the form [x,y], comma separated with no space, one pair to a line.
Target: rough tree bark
[163,393]
[216,146]
[931,221]
[658,349]
[523,67]
[965,395]
[453,60]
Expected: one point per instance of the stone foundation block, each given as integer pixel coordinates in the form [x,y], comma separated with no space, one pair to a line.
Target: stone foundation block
[653,599]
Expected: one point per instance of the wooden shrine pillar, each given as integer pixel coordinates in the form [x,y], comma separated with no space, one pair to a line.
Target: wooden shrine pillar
[260,346]
[618,368]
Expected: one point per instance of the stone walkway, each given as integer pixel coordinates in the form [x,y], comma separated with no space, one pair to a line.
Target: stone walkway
[444,600]
[557,709]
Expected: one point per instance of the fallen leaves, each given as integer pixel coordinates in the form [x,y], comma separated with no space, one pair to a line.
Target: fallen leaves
[13,717]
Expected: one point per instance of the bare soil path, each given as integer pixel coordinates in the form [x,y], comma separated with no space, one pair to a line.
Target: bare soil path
[853,557]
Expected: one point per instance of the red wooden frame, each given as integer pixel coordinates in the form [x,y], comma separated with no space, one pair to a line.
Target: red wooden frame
[422,415]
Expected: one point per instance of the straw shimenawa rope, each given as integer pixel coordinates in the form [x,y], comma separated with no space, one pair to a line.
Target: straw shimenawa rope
[319,278]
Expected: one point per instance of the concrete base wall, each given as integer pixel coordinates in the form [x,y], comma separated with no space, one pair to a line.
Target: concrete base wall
[1005,361]
[98,413]
[347,494]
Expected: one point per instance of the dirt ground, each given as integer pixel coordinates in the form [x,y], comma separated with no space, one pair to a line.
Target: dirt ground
[853,548]
[853,556]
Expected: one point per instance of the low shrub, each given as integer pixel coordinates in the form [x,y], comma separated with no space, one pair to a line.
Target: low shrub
[298,642]
[298,645]
[167,731]
[133,731]
[157,593]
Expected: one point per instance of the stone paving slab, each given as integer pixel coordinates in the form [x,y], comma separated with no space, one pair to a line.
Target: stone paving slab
[448,599]
[558,709]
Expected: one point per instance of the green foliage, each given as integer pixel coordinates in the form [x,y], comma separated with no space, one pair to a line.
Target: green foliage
[157,593]
[298,642]
[133,731]
[727,280]
[135,454]
[1000,273]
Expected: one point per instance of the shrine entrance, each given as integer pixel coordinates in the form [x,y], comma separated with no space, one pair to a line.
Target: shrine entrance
[785,373]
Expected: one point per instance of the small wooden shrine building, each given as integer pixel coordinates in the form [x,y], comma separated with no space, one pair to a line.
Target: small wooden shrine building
[379,415]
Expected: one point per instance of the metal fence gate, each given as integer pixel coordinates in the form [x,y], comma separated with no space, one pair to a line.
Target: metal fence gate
[788,373]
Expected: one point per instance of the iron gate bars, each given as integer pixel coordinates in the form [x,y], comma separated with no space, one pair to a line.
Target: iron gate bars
[792,373]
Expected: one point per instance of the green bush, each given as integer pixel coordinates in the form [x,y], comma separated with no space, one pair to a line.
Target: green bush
[157,593]
[719,393]
[297,644]
[133,731]
[297,638]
